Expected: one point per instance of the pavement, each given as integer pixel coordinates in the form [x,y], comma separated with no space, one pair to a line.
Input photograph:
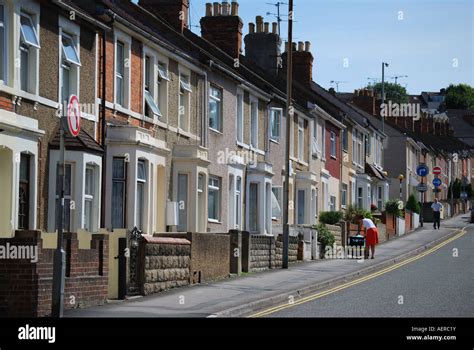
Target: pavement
[245,295]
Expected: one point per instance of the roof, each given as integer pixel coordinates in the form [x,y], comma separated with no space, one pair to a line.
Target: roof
[372,171]
[462,129]
[83,142]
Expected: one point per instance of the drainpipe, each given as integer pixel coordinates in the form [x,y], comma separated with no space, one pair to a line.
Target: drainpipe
[103,123]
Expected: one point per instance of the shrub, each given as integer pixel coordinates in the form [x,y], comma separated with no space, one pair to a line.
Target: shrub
[413,205]
[392,207]
[352,213]
[330,217]
[325,237]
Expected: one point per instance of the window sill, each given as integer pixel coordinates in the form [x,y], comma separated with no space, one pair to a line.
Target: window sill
[212,221]
[28,96]
[277,141]
[333,157]
[216,131]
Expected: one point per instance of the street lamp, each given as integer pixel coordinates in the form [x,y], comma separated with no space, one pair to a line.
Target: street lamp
[384,64]
[401,177]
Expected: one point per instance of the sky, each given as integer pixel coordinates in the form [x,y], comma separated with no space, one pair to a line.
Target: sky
[430,41]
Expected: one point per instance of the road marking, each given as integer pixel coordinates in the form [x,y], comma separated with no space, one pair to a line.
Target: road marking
[359,280]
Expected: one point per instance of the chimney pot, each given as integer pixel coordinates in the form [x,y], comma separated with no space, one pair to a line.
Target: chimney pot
[294,47]
[307,46]
[286,46]
[219,7]
[251,28]
[208,9]
[259,21]
[216,8]
[235,8]
[225,8]
[266,26]
[274,28]
[300,46]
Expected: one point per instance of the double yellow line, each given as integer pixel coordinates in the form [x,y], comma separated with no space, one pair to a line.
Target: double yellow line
[359,280]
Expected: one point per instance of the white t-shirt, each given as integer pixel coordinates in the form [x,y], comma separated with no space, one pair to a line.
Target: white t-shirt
[368,223]
[437,206]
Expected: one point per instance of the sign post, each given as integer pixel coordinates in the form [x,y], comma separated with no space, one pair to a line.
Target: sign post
[72,124]
[422,170]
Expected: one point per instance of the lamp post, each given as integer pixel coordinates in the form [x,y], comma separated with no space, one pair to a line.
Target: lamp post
[401,177]
[383,92]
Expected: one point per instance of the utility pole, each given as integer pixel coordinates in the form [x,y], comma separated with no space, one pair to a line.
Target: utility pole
[383,93]
[59,267]
[289,119]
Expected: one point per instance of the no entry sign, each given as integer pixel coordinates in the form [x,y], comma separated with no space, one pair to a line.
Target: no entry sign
[74,116]
[437,170]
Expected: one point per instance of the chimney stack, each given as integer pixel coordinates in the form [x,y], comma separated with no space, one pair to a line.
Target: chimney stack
[302,62]
[365,100]
[174,12]
[222,26]
[262,47]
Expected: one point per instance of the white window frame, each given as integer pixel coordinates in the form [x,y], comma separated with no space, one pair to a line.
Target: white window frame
[4,48]
[332,203]
[32,11]
[220,103]
[315,147]
[279,199]
[238,201]
[140,215]
[73,31]
[91,198]
[240,116]
[333,148]
[301,208]
[344,193]
[301,139]
[214,188]
[253,105]
[149,93]
[126,40]
[278,112]
[184,92]
[323,140]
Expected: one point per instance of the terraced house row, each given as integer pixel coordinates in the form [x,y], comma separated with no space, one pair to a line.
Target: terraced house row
[180,132]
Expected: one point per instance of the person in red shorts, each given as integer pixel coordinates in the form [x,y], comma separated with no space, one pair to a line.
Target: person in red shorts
[371,236]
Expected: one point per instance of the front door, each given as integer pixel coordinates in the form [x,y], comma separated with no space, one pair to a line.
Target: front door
[24,193]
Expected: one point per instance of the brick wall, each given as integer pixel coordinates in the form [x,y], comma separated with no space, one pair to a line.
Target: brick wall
[26,286]
[210,256]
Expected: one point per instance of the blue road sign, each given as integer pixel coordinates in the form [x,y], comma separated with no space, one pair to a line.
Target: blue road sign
[422,170]
[437,182]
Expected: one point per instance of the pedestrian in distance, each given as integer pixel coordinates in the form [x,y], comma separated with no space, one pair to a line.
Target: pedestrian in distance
[371,236]
[437,207]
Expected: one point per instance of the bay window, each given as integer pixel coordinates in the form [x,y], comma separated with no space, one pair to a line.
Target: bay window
[214,198]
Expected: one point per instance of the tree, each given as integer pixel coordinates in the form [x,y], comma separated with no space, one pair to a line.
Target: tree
[394,92]
[460,96]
